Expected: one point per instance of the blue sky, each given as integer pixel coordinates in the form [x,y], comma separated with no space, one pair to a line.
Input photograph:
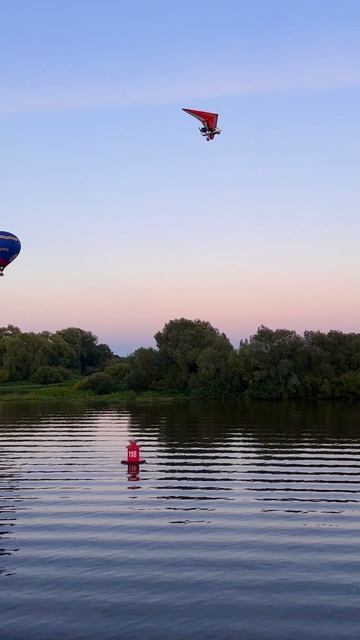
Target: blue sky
[128,217]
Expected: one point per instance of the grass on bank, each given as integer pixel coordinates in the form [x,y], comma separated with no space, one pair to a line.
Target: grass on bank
[12,391]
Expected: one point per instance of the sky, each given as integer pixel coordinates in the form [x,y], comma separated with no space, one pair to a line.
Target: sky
[128,218]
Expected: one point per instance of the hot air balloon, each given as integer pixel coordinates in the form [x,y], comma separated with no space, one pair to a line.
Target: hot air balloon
[10,248]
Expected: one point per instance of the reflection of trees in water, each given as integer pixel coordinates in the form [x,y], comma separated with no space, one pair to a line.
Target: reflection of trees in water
[287,425]
[286,457]
[265,423]
[27,413]
[22,423]
[39,419]
[8,508]
[184,423]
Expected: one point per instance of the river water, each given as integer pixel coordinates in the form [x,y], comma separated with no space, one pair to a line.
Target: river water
[244,522]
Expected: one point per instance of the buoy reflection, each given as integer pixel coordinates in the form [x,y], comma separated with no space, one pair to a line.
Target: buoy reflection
[133,472]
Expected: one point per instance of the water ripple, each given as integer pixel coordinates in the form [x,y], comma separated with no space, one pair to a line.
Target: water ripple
[243,523]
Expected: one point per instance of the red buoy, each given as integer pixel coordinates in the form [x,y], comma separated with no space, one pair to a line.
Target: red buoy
[133,454]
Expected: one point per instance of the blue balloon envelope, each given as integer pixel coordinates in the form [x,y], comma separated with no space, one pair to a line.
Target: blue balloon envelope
[10,248]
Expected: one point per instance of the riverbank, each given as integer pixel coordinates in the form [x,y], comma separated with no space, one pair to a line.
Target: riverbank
[14,391]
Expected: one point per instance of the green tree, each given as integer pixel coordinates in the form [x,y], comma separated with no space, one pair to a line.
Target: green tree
[270,363]
[89,354]
[193,351]
[144,370]
[100,383]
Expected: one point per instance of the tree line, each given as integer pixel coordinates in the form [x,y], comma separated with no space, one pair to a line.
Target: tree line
[191,358]
[47,358]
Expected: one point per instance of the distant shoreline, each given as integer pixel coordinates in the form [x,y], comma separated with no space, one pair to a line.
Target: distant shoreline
[11,392]
[29,392]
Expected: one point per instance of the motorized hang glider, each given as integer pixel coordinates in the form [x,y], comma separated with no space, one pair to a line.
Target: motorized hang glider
[10,248]
[209,123]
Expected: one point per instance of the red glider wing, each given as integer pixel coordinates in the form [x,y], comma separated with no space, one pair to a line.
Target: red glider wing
[209,120]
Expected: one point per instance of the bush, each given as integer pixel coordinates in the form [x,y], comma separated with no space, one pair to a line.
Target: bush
[50,375]
[100,383]
[117,370]
[3,376]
